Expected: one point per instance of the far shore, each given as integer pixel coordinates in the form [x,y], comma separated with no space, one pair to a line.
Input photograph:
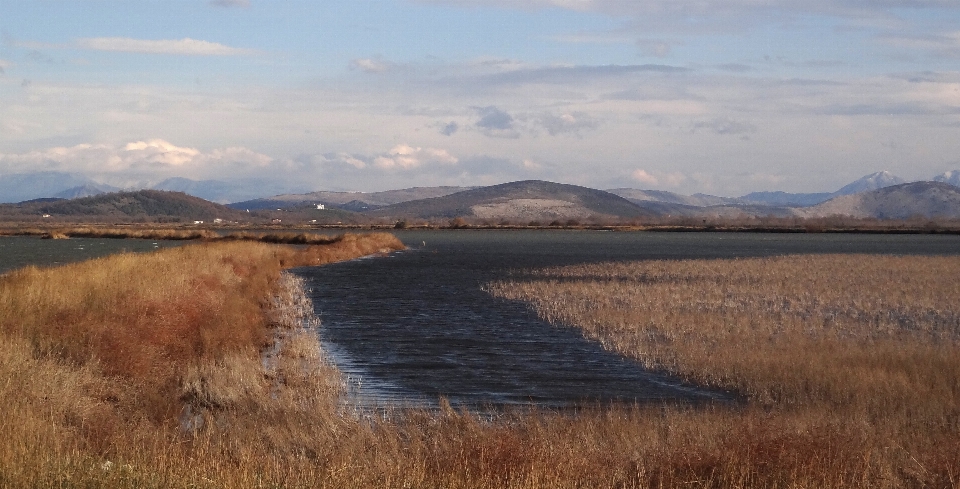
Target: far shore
[291,233]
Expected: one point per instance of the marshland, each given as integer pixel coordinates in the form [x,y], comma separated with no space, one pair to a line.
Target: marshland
[134,370]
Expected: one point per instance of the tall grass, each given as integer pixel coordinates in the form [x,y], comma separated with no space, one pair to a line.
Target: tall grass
[859,349]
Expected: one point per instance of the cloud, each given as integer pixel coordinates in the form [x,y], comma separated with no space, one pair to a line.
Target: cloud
[734,67]
[643,177]
[568,122]
[496,123]
[725,126]
[185,46]
[406,157]
[161,152]
[449,128]
[229,3]
[494,119]
[885,108]
[146,160]
[575,74]
[4,65]
[593,38]
[718,10]
[654,48]
[371,65]
[945,44]
[668,179]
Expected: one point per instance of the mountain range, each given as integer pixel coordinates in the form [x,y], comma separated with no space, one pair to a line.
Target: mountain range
[879,195]
[21,187]
[124,207]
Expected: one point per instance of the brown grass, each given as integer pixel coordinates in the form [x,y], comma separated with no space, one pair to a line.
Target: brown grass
[191,367]
[851,359]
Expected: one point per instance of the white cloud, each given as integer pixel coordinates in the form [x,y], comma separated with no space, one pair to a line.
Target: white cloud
[148,160]
[352,161]
[160,151]
[643,177]
[185,46]
[529,164]
[406,157]
[371,65]
[659,178]
[4,65]
[568,122]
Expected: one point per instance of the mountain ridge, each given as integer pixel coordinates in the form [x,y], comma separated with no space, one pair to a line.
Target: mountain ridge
[533,199]
[141,205]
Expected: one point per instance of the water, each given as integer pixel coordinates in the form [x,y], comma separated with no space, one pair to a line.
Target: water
[415,326]
[20,251]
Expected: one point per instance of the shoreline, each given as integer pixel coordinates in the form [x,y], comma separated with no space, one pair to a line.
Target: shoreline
[306,234]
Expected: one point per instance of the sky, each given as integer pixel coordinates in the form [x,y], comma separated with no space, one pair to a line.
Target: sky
[723,97]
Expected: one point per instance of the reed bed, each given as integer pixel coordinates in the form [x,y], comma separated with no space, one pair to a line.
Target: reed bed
[852,351]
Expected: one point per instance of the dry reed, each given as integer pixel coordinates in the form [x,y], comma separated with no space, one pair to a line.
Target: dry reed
[859,349]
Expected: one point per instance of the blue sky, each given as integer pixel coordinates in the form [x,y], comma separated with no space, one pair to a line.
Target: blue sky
[722,97]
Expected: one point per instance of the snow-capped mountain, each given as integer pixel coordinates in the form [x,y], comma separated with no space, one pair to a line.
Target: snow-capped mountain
[873,181]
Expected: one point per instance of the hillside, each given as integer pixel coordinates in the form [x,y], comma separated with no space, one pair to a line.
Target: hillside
[143,205]
[917,199]
[787,198]
[696,200]
[522,201]
[353,201]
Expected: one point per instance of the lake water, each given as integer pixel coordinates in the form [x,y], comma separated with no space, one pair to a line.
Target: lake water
[415,326]
[20,251]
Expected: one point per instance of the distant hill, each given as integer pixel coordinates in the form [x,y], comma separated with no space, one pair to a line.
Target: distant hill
[86,190]
[866,183]
[146,205]
[224,192]
[698,200]
[525,201]
[787,199]
[923,199]
[352,201]
[19,187]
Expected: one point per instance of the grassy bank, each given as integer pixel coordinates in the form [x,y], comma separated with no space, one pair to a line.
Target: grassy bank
[850,364]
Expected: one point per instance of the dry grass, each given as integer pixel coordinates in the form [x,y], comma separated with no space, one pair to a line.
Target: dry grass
[196,367]
[858,351]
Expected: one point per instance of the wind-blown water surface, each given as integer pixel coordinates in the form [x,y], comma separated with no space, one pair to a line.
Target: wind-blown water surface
[417,325]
